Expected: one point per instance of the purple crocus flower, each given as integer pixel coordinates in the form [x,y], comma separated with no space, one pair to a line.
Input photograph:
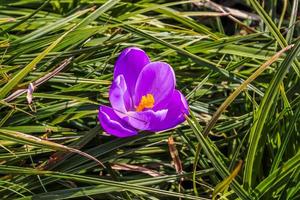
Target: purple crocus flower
[142,96]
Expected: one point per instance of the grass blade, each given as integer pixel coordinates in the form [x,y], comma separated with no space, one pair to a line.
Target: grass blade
[261,117]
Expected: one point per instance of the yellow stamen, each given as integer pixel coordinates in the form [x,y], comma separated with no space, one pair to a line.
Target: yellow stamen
[147,101]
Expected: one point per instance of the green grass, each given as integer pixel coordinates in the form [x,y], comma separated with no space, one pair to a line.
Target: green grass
[242,88]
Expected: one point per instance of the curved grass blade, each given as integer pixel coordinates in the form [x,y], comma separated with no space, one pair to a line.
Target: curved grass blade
[293,18]
[226,182]
[91,180]
[109,4]
[25,19]
[22,73]
[269,22]
[278,177]
[50,27]
[101,189]
[35,141]
[262,114]
[274,30]
[220,167]
[243,86]
[283,146]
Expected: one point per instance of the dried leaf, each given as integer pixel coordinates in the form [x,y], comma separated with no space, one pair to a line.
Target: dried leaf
[174,155]
[129,167]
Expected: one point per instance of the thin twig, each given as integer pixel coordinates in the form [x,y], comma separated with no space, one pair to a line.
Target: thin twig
[234,12]
[40,81]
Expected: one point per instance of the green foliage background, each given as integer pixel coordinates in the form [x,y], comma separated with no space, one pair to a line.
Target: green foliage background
[67,49]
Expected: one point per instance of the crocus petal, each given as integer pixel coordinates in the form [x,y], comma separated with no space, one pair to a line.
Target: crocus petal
[130,63]
[119,96]
[113,124]
[177,108]
[158,79]
[145,120]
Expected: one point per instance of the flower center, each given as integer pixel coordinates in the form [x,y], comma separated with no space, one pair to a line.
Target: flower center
[147,101]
